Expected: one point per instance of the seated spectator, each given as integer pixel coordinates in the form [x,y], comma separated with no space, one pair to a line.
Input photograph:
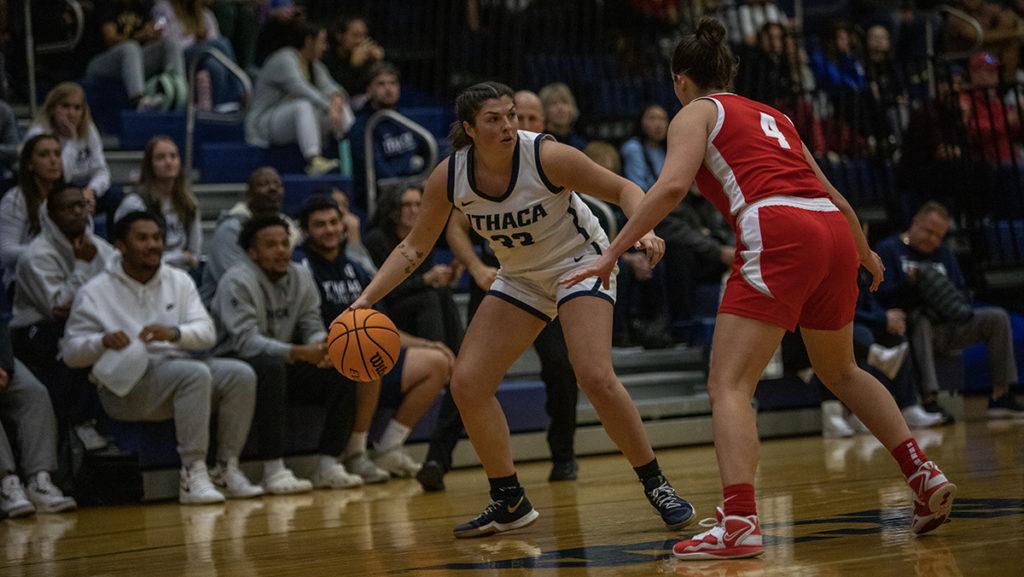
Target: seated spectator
[355,250]
[422,305]
[191,27]
[766,72]
[421,371]
[65,114]
[918,273]
[238,21]
[643,155]
[268,314]
[141,314]
[352,53]
[26,408]
[163,190]
[887,99]
[131,48]
[264,196]
[397,151]
[561,113]
[994,126]
[530,111]
[54,266]
[838,66]
[39,169]
[8,143]
[296,101]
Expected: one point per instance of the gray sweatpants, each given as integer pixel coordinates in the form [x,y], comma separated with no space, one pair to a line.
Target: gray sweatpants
[25,406]
[298,121]
[188,391]
[133,63]
[988,325]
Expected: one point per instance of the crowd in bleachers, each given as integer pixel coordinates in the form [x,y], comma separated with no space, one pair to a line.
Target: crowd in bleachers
[153,324]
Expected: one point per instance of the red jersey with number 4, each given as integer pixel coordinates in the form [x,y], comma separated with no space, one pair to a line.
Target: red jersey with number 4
[754,152]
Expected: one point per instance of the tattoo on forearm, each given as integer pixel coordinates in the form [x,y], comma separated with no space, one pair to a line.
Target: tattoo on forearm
[412,263]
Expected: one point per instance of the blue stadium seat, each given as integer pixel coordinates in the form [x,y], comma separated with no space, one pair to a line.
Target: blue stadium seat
[107,99]
[298,187]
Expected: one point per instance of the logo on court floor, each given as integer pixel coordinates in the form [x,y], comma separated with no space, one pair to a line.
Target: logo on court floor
[871,521]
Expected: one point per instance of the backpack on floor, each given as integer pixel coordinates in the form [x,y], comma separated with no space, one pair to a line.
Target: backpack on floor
[170,88]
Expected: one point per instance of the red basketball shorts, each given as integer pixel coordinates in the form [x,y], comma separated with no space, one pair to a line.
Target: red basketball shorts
[796,264]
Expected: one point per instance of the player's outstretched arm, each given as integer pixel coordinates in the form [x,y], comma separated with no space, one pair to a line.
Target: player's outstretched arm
[868,258]
[409,253]
[687,141]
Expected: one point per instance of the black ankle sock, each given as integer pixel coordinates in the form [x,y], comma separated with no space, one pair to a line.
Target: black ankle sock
[504,486]
[648,471]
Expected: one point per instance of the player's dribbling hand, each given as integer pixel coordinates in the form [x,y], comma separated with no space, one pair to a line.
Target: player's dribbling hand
[873,263]
[360,303]
[602,268]
[653,246]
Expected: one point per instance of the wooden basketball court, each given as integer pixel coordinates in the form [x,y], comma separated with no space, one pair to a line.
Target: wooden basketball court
[828,507]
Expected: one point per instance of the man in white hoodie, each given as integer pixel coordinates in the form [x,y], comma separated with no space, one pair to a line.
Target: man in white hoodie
[139,316]
[55,265]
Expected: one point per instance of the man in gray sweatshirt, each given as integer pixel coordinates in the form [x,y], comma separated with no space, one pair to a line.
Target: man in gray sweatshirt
[53,268]
[267,310]
[264,196]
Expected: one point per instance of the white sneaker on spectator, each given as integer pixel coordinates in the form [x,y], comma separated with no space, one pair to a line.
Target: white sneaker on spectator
[833,425]
[360,464]
[918,418]
[196,487]
[232,482]
[13,501]
[284,482]
[335,477]
[397,462]
[90,437]
[888,359]
[47,497]
[856,425]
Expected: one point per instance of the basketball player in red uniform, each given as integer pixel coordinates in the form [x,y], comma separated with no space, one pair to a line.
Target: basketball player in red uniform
[799,249]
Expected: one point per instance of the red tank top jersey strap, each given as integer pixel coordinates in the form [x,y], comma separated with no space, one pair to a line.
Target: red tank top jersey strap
[754,152]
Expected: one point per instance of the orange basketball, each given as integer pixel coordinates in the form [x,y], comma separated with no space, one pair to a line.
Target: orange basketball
[363,344]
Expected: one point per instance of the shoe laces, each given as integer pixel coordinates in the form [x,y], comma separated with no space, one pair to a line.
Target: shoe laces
[44,485]
[664,497]
[491,508]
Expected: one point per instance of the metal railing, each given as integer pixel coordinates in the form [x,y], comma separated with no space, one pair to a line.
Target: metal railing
[192,112]
[372,184]
[51,48]
[606,211]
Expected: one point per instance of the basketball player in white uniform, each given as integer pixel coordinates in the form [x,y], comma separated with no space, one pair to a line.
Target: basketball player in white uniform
[516,190]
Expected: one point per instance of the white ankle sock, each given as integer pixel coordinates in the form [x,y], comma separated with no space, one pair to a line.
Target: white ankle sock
[394,435]
[356,443]
[272,467]
[327,461]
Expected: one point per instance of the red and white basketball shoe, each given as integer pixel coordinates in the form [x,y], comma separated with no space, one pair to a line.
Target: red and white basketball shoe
[730,537]
[933,497]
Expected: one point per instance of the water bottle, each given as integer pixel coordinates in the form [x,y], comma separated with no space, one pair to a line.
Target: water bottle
[345,158]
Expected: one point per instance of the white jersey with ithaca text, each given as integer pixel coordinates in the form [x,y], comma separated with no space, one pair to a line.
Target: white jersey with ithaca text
[532,226]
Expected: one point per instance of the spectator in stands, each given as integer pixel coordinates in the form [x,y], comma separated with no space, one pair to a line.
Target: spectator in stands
[138,324]
[268,314]
[191,26]
[754,14]
[65,114]
[888,101]
[163,190]
[39,169]
[355,250]
[421,371]
[993,126]
[643,155]
[561,113]
[398,151]
[353,52]
[422,305]
[766,73]
[605,155]
[131,47]
[55,265]
[923,279]
[297,101]
[264,197]
[8,143]
[1001,33]
[238,21]
[25,407]
[839,67]
[530,111]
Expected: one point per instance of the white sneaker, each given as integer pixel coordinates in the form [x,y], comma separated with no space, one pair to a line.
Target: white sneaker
[196,487]
[360,464]
[47,497]
[90,437]
[918,418]
[13,501]
[335,477]
[888,360]
[284,482]
[833,425]
[232,482]
[397,462]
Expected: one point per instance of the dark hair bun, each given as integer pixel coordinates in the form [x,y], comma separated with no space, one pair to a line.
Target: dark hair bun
[710,31]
